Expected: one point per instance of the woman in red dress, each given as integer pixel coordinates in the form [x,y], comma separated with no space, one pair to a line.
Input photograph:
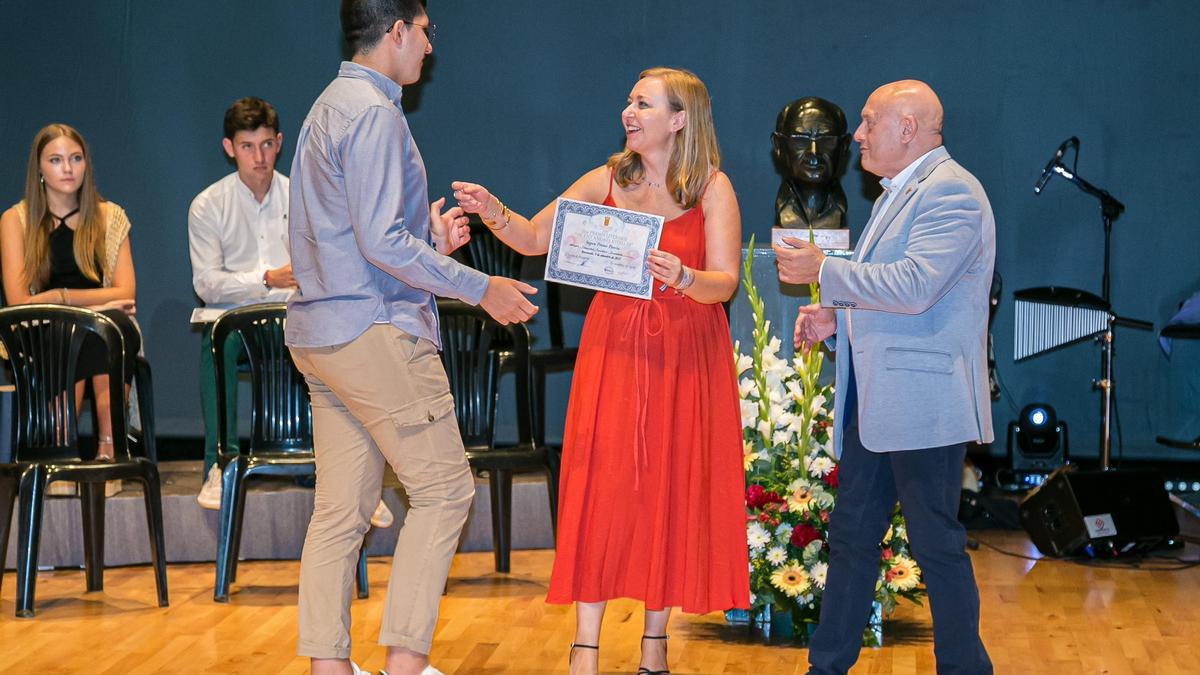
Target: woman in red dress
[651,495]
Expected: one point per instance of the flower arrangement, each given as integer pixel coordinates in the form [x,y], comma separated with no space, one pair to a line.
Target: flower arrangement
[792,481]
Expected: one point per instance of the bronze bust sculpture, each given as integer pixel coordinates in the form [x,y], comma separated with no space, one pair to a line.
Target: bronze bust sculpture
[811,150]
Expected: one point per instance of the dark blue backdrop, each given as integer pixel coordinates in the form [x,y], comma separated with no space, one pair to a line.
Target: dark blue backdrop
[525,95]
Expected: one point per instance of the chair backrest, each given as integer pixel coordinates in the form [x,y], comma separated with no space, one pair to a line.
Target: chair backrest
[43,344]
[281,416]
[472,345]
[486,253]
[489,255]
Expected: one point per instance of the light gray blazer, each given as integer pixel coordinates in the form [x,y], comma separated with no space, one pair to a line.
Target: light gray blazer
[913,305]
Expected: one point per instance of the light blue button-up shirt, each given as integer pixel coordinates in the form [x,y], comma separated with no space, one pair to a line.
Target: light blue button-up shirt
[359,221]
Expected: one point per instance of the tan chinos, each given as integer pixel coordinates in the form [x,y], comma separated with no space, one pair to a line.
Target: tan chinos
[381,397]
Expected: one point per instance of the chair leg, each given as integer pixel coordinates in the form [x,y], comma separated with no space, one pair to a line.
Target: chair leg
[360,573]
[91,508]
[553,463]
[500,487]
[29,533]
[145,398]
[239,515]
[154,524]
[225,518]
[8,497]
[538,403]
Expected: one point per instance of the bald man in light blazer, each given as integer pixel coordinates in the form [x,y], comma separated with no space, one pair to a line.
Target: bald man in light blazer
[910,313]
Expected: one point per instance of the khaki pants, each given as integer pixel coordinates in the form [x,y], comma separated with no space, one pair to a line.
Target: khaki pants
[382,396]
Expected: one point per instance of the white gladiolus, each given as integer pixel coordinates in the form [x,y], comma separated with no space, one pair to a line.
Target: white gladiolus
[781,437]
[775,412]
[748,388]
[817,405]
[749,413]
[764,430]
[742,362]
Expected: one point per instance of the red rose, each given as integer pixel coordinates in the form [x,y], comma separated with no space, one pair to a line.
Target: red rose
[762,518]
[887,554]
[754,496]
[824,516]
[772,497]
[831,479]
[804,534]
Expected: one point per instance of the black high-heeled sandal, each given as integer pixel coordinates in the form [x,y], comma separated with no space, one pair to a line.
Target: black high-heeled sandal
[642,670]
[575,646]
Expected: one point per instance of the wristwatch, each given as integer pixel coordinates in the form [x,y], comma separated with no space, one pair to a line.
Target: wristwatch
[264,280]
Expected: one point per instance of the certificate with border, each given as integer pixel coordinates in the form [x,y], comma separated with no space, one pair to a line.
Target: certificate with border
[602,247]
[833,242]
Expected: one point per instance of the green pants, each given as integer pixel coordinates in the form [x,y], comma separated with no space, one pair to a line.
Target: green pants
[208,396]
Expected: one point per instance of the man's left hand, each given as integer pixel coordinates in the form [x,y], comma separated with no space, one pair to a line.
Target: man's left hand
[800,264]
[449,230]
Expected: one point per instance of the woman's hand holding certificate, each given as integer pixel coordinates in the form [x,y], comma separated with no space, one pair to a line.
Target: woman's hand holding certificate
[603,248]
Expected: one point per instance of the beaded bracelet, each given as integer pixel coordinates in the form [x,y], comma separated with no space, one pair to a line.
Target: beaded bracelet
[686,278]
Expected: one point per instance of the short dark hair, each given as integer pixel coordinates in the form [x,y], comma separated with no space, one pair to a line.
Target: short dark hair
[248,114]
[365,21]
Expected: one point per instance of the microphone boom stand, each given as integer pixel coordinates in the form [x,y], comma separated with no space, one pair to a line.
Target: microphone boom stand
[1110,209]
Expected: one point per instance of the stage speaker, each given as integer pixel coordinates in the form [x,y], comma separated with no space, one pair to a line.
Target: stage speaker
[1102,513]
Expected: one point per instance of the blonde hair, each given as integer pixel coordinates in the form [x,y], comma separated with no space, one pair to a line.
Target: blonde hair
[695,155]
[89,235]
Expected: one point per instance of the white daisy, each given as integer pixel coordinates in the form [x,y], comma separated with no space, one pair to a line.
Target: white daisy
[776,555]
[757,536]
[818,572]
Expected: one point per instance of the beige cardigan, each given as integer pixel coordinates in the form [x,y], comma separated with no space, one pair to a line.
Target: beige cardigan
[116,230]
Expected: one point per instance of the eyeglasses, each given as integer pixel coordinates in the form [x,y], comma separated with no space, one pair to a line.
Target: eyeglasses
[430,29]
[826,143]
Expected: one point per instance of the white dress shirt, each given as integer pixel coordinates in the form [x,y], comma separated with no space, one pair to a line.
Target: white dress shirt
[891,188]
[234,239]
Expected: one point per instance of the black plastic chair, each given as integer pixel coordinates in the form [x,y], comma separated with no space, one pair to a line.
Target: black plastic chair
[281,442]
[43,344]
[473,345]
[491,256]
[144,436]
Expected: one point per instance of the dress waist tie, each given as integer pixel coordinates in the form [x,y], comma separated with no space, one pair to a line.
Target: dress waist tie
[641,325]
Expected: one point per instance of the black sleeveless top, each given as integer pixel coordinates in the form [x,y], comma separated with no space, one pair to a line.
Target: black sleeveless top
[64,271]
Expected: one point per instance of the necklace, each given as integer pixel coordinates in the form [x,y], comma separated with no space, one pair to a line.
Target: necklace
[653,184]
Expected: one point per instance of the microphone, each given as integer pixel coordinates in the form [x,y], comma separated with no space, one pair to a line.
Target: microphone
[1049,170]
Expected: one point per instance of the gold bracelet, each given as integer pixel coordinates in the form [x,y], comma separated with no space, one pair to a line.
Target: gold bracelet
[62,295]
[491,224]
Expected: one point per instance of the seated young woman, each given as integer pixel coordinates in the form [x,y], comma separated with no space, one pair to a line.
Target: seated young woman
[64,244]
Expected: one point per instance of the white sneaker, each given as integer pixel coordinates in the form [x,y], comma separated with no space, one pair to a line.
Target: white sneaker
[429,670]
[210,492]
[357,670]
[382,518]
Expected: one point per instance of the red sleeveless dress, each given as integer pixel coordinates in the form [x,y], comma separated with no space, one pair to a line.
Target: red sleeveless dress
[651,496]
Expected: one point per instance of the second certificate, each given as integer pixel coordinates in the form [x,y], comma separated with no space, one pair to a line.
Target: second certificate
[602,247]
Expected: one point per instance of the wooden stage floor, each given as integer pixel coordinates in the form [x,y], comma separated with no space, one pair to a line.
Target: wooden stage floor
[1046,617]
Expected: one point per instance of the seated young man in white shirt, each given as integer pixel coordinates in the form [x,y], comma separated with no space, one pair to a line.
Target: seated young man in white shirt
[238,241]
